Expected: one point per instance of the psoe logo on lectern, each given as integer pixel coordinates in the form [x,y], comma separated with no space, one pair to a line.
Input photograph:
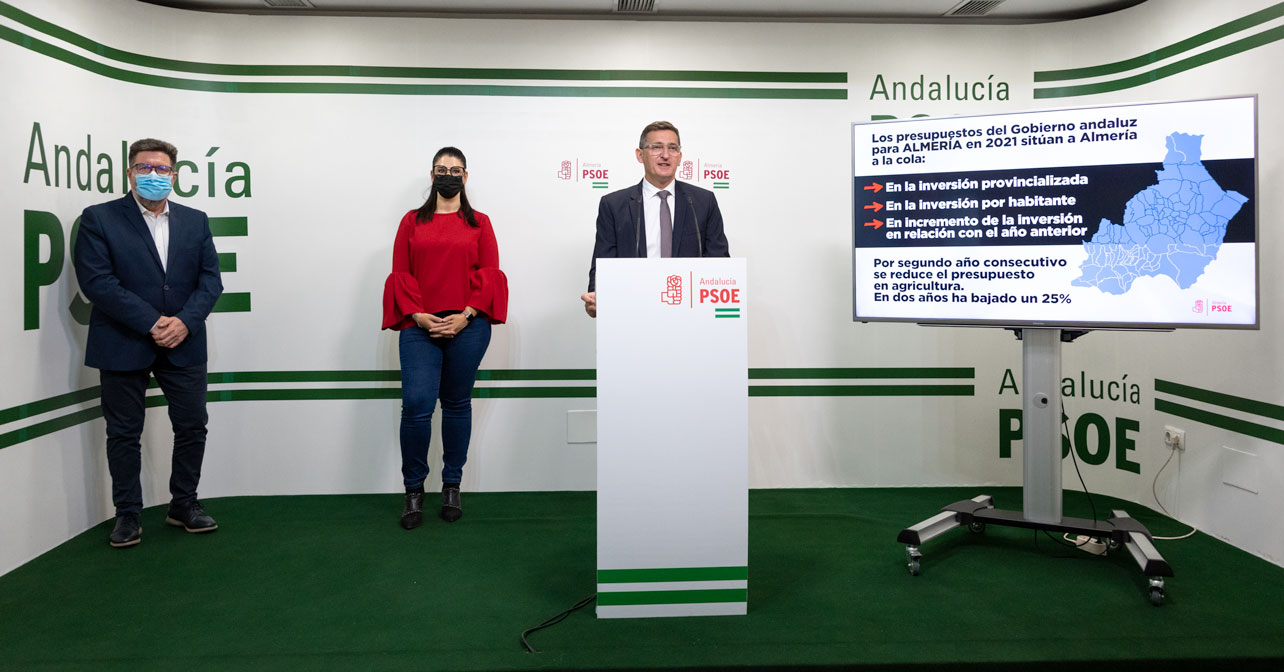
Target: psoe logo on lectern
[672,293]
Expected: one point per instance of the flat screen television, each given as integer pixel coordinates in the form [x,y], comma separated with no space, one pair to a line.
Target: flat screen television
[1137,216]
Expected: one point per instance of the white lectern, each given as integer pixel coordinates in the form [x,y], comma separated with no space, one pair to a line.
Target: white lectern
[672,438]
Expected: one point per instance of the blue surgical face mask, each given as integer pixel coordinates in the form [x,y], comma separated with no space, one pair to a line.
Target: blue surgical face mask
[153,187]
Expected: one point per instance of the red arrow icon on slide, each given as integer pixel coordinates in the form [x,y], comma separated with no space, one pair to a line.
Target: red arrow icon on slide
[875,187]
[875,207]
[876,223]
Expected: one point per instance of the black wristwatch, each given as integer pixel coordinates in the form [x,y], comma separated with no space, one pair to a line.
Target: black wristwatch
[469,316]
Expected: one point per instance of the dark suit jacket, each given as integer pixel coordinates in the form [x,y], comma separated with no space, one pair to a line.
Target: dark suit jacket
[120,272]
[621,229]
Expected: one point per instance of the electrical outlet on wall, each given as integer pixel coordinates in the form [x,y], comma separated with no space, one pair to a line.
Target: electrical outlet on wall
[1174,438]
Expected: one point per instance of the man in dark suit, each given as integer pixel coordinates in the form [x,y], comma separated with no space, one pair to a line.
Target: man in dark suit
[659,216]
[150,269]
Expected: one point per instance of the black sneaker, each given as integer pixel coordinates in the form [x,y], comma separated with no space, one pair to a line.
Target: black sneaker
[192,518]
[450,508]
[413,515]
[128,531]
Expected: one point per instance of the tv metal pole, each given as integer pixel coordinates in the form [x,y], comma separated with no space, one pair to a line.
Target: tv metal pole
[1041,424]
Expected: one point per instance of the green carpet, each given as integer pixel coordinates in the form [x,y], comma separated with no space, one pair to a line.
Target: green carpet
[332,583]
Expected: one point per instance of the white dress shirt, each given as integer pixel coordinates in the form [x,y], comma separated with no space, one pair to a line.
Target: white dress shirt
[158,225]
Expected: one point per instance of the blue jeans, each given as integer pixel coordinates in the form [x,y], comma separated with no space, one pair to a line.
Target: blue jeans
[433,368]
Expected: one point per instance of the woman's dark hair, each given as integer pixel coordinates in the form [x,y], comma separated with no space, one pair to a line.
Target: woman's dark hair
[430,206]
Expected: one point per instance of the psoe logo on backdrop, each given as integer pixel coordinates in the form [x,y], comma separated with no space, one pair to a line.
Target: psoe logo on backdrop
[1219,307]
[594,174]
[1199,307]
[1092,436]
[672,293]
[76,167]
[716,175]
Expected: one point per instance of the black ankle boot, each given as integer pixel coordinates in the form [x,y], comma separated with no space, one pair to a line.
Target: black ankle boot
[450,508]
[413,515]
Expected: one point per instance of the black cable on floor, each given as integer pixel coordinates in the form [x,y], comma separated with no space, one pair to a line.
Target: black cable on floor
[555,620]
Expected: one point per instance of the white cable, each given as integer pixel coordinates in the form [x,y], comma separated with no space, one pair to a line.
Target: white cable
[1155,493]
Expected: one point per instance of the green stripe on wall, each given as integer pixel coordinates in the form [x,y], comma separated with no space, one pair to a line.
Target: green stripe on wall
[1210,35]
[314,394]
[868,372]
[537,374]
[534,392]
[226,262]
[144,60]
[49,426]
[60,401]
[367,88]
[45,405]
[672,574]
[861,390]
[1216,54]
[671,597]
[393,375]
[303,376]
[1225,422]
[229,226]
[1262,408]
[305,395]
[232,302]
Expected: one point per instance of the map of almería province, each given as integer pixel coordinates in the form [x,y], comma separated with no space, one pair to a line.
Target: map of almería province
[1174,227]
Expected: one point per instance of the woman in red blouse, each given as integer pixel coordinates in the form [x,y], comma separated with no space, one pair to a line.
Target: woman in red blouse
[444,292]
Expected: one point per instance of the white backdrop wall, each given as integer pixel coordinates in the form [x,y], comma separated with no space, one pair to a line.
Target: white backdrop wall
[331,170]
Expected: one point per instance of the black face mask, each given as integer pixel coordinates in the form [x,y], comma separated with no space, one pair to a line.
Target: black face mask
[448,186]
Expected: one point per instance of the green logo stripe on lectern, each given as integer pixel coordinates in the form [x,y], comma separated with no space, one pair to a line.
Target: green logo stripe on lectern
[672,574]
[672,597]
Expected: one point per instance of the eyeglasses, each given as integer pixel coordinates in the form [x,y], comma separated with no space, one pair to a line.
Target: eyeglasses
[659,147]
[147,168]
[457,171]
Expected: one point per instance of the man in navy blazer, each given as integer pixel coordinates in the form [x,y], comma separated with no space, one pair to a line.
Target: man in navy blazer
[150,269]
[659,216]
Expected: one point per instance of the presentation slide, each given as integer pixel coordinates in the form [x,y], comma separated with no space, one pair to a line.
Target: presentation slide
[1127,216]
